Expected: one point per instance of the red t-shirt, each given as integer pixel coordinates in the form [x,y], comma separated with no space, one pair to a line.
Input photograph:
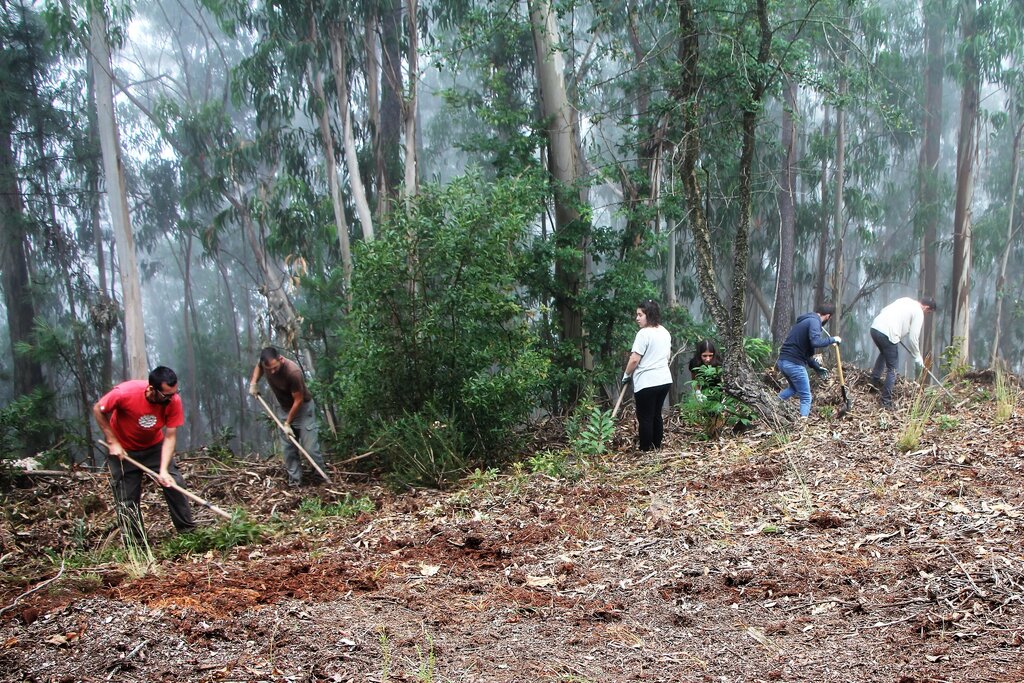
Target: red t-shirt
[137,423]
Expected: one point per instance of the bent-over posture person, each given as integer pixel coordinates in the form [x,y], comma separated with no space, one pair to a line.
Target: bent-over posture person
[648,369]
[141,418]
[705,355]
[797,353]
[296,409]
[902,319]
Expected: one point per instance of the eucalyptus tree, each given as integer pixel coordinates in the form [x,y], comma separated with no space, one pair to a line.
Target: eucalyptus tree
[21,54]
[117,194]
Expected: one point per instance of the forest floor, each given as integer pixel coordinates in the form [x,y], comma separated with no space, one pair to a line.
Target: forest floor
[825,553]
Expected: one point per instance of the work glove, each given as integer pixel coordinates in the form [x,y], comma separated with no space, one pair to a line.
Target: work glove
[626,378]
[699,396]
[822,372]
[288,430]
[837,339]
[253,391]
[919,362]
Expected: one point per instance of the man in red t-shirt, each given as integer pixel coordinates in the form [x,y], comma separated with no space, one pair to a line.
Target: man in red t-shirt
[141,419]
[297,411]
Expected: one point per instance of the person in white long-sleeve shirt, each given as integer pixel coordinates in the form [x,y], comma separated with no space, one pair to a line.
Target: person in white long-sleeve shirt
[901,320]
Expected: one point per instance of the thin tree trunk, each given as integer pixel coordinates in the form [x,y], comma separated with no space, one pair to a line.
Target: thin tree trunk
[26,373]
[233,314]
[564,169]
[101,318]
[388,163]
[783,312]
[355,179]
[337,202]
[838,207]
[131,289]
[825,222]
[929,203]
[410,105]
[1007,248]
[960,334]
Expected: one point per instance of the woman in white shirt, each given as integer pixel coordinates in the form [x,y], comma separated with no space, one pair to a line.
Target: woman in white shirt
[648,370]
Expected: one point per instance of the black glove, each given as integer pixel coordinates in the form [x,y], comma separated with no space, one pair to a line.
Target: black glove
[822,372]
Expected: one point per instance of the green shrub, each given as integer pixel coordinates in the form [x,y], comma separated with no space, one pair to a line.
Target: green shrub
[349,506]
[28,427]
[238,531]
[590,429]
[712,409]
[440,363]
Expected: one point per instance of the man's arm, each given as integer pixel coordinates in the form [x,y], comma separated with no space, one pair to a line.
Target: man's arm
[914,336]
[257,372]
[296,407]
[113,445]
[166,454]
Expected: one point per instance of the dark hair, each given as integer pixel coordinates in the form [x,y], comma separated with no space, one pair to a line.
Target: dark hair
[161,375]
[703,346]
[929,302]
[652,311]
[825,309]
[268,354]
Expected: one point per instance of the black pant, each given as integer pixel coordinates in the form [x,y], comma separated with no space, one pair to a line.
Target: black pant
[889,357]
[648,415]
[126,480]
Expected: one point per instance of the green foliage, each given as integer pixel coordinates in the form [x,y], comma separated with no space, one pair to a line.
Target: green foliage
[950,360]
[920,414]
[423,448]
[946,422]
[439,363]
[238,531]
[1005,396]
[759,352]
[350,506]
[590,429]
[549,462]
[479,478]
[28,421]
[712,409]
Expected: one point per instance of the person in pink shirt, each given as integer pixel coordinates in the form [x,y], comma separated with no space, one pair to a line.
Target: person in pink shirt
[141,418]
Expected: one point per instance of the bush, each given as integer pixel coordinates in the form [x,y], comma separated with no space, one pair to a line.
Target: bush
[712,409]
[27,426]
[439,363]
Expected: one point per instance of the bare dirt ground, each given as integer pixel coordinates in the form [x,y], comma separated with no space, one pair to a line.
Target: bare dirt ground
[822,554]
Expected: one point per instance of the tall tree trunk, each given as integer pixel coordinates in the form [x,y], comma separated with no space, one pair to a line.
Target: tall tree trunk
[1007,248]
[824,221]
[341,90]
[739,378]
[409,103]
[783,312]
[334,184]
[389,171]
[563,165]
[102,321]
[14,270]
[373,75]
[960,335]
[117,197]
[838,206]
[232,313]
[929,203]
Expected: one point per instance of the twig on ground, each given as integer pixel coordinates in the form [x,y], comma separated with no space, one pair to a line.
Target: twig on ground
[38,587]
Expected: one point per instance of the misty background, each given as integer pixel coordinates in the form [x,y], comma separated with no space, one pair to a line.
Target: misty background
[448,211]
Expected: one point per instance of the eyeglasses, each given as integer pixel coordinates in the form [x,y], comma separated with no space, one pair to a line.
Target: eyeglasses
[165,398]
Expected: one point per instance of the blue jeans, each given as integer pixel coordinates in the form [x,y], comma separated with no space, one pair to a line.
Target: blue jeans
[799,384]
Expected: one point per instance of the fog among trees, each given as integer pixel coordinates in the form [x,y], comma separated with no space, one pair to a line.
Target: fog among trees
[448,211]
